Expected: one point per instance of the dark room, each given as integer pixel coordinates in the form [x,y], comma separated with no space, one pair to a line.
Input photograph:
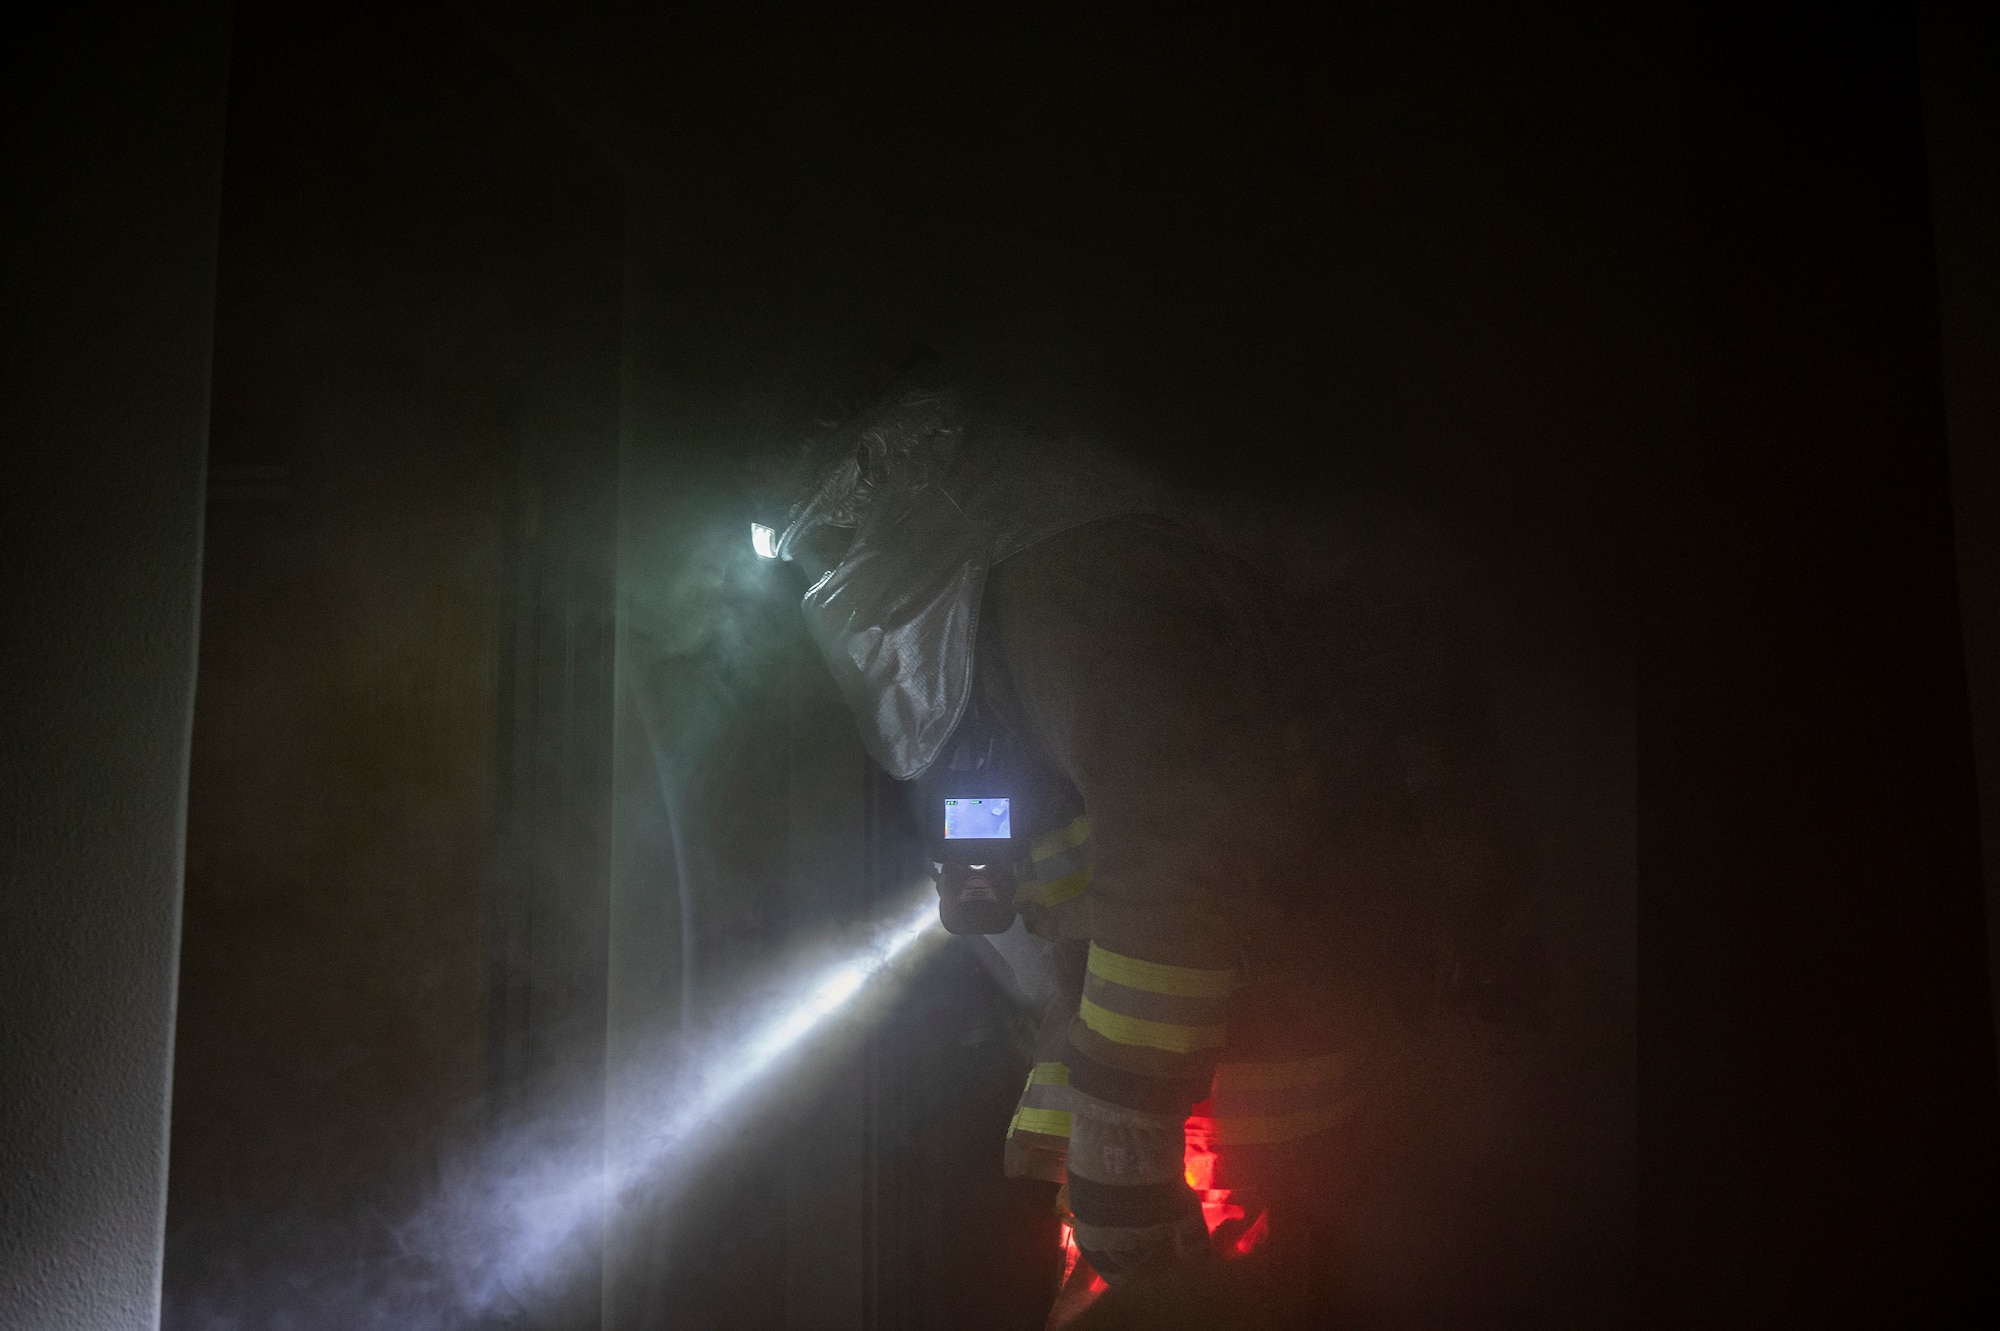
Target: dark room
[1000,668]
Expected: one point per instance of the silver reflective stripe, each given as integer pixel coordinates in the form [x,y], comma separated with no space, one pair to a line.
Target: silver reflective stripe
[1072,834]
[1045,1104]
[1142,1003]
[1184,1238]
[1057,871]
[1129,1000]
[1074,860]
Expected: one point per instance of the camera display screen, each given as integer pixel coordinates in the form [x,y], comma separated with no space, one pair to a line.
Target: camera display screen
[977,820]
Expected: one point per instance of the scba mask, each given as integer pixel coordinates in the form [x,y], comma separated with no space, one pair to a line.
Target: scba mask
[820,526]
[897,521]
[907,441]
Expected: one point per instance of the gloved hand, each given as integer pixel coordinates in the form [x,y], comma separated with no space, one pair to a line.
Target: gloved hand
[1140,1053]
[1133,1209]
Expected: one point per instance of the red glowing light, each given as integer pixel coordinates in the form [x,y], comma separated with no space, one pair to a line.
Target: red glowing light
[1254,1235]
[1217,1209]
[1198,1163]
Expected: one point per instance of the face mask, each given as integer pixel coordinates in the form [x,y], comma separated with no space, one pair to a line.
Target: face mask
[933,510]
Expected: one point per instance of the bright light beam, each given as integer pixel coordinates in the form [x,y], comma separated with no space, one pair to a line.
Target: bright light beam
[728,1075]
[532,1227]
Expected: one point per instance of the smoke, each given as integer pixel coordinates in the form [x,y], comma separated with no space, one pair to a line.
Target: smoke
[510,1229]
[698,604]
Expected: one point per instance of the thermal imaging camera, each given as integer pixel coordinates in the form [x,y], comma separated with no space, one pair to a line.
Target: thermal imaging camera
[971,809]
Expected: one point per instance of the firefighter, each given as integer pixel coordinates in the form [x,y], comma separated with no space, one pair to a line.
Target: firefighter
[1240,857]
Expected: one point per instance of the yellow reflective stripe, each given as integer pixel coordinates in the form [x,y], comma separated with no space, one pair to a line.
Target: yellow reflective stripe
[1174,1038]
[1282,1076]
[1048,1122]
[1055,843]
[1155,977]
[1263,1129]
[1066,888]
[1049,1074]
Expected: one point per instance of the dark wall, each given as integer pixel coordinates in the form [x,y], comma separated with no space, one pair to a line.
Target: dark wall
[398,829]
[1818,1086]
[1959,51]
[112,126]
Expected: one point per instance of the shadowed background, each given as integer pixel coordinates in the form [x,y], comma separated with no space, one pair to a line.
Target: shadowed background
[1621,335]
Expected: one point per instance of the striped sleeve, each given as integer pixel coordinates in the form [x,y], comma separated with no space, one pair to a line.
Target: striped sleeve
[1043,1110]
[1054,879]
[1147,1004]
[1147,1034]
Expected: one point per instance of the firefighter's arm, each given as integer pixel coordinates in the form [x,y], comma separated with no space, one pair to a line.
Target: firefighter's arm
[1142,677]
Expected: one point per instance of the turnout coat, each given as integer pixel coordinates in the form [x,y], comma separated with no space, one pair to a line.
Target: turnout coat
[1252,836]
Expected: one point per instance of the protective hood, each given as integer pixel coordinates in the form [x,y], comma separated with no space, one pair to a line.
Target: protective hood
[935,506]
